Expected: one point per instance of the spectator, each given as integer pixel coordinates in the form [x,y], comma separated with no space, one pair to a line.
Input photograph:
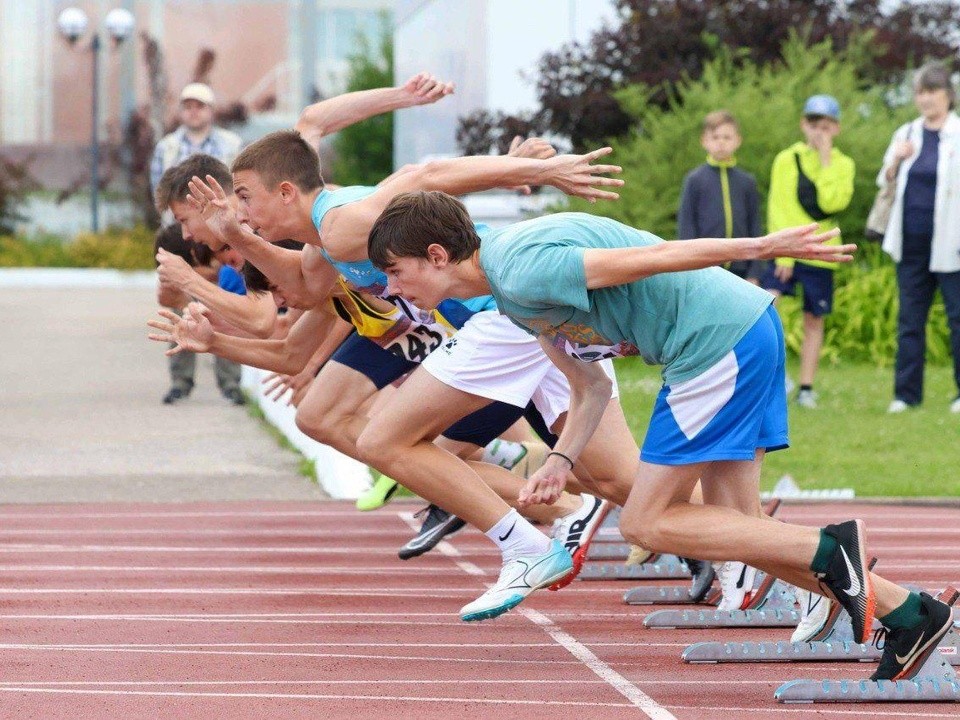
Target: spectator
[811,181]
[196,134]
[719,199]
[923,235]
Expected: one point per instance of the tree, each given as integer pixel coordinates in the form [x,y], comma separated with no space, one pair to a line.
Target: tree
[364,151]
[15,184]
[660,42]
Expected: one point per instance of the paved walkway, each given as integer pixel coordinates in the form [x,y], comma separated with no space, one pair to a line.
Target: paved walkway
[81,418]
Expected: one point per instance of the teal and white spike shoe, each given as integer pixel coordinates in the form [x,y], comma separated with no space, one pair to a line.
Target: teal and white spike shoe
[519,578]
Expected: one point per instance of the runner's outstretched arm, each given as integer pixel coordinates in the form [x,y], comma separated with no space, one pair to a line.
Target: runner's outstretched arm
[194,333]
[619,266]
[329,116]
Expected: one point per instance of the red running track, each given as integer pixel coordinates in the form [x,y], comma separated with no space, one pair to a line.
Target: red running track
[302,610]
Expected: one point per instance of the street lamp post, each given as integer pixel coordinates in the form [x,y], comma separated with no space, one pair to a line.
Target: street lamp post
[72,23]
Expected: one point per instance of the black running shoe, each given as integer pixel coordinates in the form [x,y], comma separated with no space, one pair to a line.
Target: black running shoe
[436,526]
[905,651]
[703,575]
[847,578]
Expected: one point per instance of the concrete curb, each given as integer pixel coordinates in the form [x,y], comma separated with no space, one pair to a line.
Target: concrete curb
[341,477]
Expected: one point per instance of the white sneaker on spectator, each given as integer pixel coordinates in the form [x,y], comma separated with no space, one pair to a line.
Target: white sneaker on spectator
[955,406]
[898,406]
[814,611]
[807,399]
[736,584]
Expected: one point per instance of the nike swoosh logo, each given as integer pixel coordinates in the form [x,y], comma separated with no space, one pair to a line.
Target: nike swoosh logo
[743,575]
[903,660]
[508,532]
[854,588]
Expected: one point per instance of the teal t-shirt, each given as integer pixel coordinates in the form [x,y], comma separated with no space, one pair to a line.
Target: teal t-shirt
[684,321]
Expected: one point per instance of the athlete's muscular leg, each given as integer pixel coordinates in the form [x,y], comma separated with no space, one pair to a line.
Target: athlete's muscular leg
[659,517]
[507,485]
[332,410]
[399,443]
[609,462]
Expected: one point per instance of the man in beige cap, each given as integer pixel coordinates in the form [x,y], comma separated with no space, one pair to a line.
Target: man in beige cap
[196,134]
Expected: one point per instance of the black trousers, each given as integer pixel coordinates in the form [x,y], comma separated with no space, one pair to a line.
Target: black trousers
[917,286]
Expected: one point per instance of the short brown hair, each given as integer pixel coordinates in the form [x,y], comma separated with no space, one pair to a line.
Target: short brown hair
[174,183]
[414,220]
[719,118]
[282,156]
[935,76]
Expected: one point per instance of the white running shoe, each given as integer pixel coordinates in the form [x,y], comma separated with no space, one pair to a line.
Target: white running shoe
[519,578]
[576,530]
[814,612]
[897,406]
[736,584]
[807,399]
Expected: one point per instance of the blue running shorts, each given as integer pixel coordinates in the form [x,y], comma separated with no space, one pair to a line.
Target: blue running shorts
[727,412]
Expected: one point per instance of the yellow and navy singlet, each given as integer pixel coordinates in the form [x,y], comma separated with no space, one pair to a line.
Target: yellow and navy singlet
[390,321]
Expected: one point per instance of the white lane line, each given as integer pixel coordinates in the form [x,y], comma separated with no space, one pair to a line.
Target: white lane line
[635,695]
[61,514]
[366,592]
[444,548]
[232,549]
[252,569]
[201,646]
[418,569]
[293,616]
[303,696]
[203,532]
[380,657]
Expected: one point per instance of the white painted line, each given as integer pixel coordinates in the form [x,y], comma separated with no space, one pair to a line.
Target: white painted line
[432,571]
[635,695]
[619,683]
[379,657]
[232,549]
[301,696]
[65,513]
[367,592]
[384,533]
[201,683]
[204,645]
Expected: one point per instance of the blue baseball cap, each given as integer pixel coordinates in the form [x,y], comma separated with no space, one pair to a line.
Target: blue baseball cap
[822,105]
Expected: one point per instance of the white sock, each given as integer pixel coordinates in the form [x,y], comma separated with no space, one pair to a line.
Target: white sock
[515,536]
[504,453]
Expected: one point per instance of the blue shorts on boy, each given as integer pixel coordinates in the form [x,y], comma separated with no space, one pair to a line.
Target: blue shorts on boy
[816,283]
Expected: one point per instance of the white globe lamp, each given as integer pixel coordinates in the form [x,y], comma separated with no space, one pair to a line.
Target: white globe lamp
[72,23]
[119,23]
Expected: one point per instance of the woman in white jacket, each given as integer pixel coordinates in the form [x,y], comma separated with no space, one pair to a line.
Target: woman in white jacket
[923,236]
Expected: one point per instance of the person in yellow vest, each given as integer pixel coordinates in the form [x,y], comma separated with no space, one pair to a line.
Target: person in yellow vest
[811,181]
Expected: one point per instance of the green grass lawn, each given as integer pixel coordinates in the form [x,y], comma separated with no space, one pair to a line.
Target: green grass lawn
[849,440]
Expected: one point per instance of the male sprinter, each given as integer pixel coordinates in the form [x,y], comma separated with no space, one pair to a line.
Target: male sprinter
[364,368]
[590,286]
[278,207]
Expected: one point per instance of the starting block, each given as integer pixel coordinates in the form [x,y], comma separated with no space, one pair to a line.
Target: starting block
[600,550]
[773,605]
[667,567]
[667,595]
[935,682]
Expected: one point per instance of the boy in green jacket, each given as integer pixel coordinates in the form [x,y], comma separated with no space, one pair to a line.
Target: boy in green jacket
[811,181]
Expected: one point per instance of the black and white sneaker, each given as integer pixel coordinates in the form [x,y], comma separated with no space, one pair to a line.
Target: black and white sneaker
[847,578]
[905,651]
[703,575]
[436,526]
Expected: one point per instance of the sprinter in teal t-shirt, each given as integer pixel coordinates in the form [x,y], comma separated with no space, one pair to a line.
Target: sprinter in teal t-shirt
[591,287]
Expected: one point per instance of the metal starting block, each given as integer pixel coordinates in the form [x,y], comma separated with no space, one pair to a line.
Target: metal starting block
[608,551]
[667,567]
[935,682]
[773,605]
[667,595]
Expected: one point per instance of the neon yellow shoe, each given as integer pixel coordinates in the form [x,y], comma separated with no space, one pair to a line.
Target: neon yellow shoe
[382,491]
